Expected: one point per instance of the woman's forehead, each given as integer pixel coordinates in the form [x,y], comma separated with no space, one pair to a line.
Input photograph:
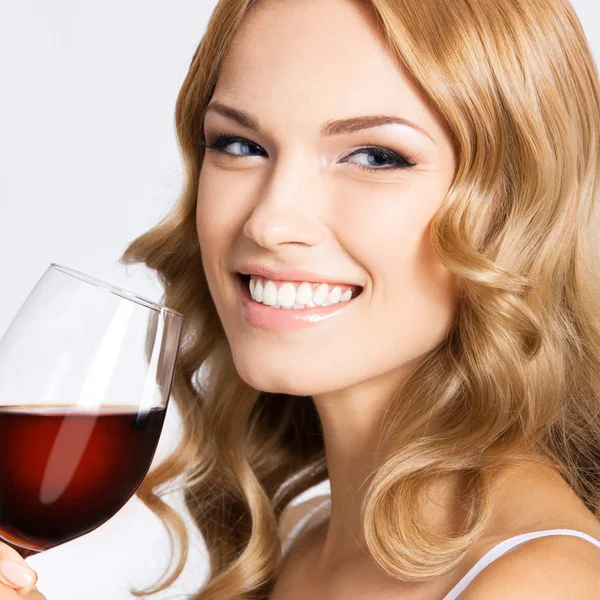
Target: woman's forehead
[325,35]
[308,63]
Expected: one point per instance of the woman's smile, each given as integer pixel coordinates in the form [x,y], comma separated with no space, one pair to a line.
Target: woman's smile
[291,315]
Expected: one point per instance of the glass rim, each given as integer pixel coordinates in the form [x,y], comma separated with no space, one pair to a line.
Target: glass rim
[123,293]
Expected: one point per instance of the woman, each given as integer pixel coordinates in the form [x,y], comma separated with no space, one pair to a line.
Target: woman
[435,164]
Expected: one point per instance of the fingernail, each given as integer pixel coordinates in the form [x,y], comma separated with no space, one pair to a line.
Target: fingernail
[16,573]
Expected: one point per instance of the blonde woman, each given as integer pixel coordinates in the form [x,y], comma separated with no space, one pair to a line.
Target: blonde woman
[436,165]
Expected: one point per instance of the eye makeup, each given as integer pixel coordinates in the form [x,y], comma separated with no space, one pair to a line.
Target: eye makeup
[393,160]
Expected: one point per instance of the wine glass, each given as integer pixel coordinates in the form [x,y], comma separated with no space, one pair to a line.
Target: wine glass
[85,377]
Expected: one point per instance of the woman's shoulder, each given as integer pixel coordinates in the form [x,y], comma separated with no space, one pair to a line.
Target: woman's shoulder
[531,564]
[551,567]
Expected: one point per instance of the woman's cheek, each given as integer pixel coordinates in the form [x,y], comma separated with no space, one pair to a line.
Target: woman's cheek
[217,208]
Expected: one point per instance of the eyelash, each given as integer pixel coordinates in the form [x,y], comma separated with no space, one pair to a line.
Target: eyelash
[399,161]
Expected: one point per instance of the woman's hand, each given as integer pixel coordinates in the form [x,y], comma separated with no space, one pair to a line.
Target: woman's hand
[17,578]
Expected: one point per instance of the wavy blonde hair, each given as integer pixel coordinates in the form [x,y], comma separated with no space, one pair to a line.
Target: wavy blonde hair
[518,375]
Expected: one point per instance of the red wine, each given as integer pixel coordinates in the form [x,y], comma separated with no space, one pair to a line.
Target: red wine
[64,470]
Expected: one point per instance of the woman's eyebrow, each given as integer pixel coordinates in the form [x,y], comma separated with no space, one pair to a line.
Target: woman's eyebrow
[331,128]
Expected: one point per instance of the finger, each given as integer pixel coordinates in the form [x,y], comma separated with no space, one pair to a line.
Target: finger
[8,593]
[15,572]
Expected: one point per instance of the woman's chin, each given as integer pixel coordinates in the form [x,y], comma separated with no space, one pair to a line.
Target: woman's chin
[281,381]
[275,385]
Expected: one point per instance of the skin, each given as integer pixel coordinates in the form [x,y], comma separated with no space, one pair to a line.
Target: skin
[295,199]
[10,591]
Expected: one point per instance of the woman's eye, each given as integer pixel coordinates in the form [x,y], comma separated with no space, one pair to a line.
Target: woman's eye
[377,159]
[382,159]
[241,147]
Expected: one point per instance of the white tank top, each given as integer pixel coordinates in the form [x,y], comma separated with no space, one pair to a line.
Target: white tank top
[489,557]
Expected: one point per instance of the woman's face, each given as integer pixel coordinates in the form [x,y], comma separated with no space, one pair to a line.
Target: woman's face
[289,195]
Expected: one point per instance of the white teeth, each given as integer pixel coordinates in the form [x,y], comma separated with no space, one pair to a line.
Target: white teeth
[258,291]
[304,293]
[270,294]
[288,296]
[335,295]
[320,295]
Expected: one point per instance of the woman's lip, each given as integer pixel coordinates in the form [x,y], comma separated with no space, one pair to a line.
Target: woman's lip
[283,319]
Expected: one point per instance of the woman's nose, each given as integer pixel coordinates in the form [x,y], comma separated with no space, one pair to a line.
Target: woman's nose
[289,209]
